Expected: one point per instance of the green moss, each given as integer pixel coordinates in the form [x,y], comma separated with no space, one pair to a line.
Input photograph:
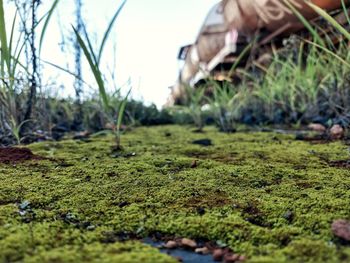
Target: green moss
[264,194]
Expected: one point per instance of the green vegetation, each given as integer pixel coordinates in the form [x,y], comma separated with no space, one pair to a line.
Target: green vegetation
[193,106]
[264,194]
[115,116]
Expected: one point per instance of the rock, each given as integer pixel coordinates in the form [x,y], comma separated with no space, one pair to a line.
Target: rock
[81,135]
[289,216]
[171,244]
[299,136]
[203,142]
[231,258]
[202,250]
[123,204]
[201,210]
[188,243]
[194,164]
[87,178]
[218,254]
[242,258]
[179,259]
[109,126]
[341,228]
[316,127]
[336,132]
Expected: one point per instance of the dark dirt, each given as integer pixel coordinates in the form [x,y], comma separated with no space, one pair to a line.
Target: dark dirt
[341,164]
[203,142]
[17,155]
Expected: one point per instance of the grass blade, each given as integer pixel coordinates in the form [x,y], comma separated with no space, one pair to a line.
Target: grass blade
[53,7]
[329,52]
[305,22]
[106,34]
[330,19]
[66,71]
[345,11]
[11,35]
[5,57]
[94,68]
[121,110]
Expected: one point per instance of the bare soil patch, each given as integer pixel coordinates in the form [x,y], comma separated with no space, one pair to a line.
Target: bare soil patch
[17,155]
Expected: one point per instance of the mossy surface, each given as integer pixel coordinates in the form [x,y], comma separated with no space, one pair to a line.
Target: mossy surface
[265,195]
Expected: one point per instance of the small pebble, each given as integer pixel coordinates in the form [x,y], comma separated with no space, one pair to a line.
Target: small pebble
[336,132]
[202,250]
[218,254]
[188,243]
[171,244]
[317,127]
[242,258]
[194,164]
[179,259]
[231,258]
[341,228]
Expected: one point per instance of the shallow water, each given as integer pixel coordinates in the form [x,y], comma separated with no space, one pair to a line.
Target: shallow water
[187,256]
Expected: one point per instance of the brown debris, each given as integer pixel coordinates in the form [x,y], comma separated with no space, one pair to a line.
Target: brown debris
[340,164]
[17,155]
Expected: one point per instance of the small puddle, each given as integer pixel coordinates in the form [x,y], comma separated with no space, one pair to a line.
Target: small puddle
[187,256]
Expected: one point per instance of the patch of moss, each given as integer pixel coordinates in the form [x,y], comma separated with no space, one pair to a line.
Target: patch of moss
[266,195]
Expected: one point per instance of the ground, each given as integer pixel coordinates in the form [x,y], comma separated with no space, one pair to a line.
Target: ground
[266,195]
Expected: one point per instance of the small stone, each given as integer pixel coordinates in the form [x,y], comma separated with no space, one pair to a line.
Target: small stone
[179,259]
[316,127]
[336,132]
[194,164]
[300,137]
[202,250]
[88,178]
[242,258]
[203,142]
[81,135]
[201,210]
[171,244]
[188,243]
[123,204]
[90,228]
[231,258]
[289,216]
[341,228]
[218,254]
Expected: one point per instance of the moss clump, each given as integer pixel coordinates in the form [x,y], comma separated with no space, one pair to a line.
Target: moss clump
[266,195]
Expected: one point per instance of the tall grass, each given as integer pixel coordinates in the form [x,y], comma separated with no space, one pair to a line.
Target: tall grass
[115,116]
[306,81]
[226,104]
[195,98]
[12,69]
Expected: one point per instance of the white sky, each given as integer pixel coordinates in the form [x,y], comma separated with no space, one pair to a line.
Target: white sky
[147,36]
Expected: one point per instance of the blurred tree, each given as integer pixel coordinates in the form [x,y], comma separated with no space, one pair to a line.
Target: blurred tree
[78,84]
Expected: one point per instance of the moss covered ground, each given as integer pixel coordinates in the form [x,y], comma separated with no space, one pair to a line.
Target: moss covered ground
[265,195]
